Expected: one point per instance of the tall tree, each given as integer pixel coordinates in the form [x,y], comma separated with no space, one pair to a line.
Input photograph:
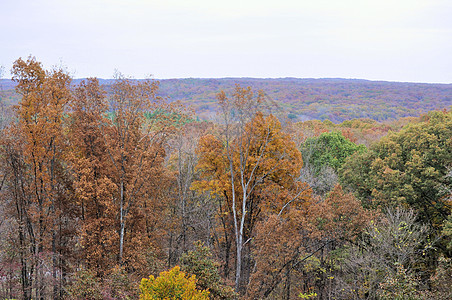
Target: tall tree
[90,163]
[40,116]
[252,162]
[139,126]
[387,259]
[192,213]
[199,262]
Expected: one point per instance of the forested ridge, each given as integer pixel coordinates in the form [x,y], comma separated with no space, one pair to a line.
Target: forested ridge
[116,190]
[306,99]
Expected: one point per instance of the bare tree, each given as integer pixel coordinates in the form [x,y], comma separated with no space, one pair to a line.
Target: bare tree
[392,249]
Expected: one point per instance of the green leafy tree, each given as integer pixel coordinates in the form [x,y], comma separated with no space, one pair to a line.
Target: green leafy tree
[199,262]
[407,168]
[329,149]
[172,284]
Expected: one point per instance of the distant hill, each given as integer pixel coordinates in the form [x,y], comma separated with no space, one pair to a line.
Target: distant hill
[305,99]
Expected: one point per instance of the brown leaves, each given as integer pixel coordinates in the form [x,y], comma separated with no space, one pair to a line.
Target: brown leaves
[117,156]
[268,159]
[340,216]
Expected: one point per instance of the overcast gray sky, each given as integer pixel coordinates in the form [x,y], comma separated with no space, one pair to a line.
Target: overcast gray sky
[394,40]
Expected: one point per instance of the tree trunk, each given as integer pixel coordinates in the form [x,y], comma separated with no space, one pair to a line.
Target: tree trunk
[122,224]
[26,280]
[54,267]
[238,269]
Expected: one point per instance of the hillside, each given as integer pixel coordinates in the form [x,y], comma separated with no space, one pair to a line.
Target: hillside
[305,99]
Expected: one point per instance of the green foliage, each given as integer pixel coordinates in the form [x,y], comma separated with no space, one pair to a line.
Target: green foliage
[171,285]
[329,149]
[116,285]
[407,168]
[447,232]
[292,116]
[85,286]
[199,262]
[177,118]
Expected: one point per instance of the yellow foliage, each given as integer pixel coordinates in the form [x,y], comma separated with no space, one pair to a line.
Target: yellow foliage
[171,285]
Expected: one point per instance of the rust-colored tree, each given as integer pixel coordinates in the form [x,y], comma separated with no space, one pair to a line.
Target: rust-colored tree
[292,249]
[253,165]
[93,188]
[135,136]
[37,178]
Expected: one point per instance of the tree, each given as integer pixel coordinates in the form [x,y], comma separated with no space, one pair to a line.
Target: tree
[253,162]
[323,156]
[409,167]
[90,165]
[387,260]
[293,250]
[447,231]
[85,286]
[192,213]
[329,149]
[172,284]
[199,262]
[37,180]
[135,135]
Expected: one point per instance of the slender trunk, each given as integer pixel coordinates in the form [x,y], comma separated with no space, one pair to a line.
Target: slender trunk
[238,236]
[238,268]
[287,285]
[184,226]
[182,197]
[227,240]
[62,260]
[40,272]
[238,271]
[54,267]
[170,250]
[122,223]
[37,282]
[53,209]
[26,283]
[208,232]
[227,254]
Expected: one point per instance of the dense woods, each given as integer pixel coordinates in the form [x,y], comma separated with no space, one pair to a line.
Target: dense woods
[116,192]
[331,99]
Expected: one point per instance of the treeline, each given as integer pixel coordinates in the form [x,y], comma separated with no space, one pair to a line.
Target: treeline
[336,100]
[120,195]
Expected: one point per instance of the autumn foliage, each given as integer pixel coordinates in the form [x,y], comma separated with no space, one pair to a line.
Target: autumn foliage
[114,192]
[171,285]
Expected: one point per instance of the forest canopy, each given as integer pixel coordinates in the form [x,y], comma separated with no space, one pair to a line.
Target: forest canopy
[117,192]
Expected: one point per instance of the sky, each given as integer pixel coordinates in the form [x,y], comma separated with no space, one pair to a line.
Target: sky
[391,40]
